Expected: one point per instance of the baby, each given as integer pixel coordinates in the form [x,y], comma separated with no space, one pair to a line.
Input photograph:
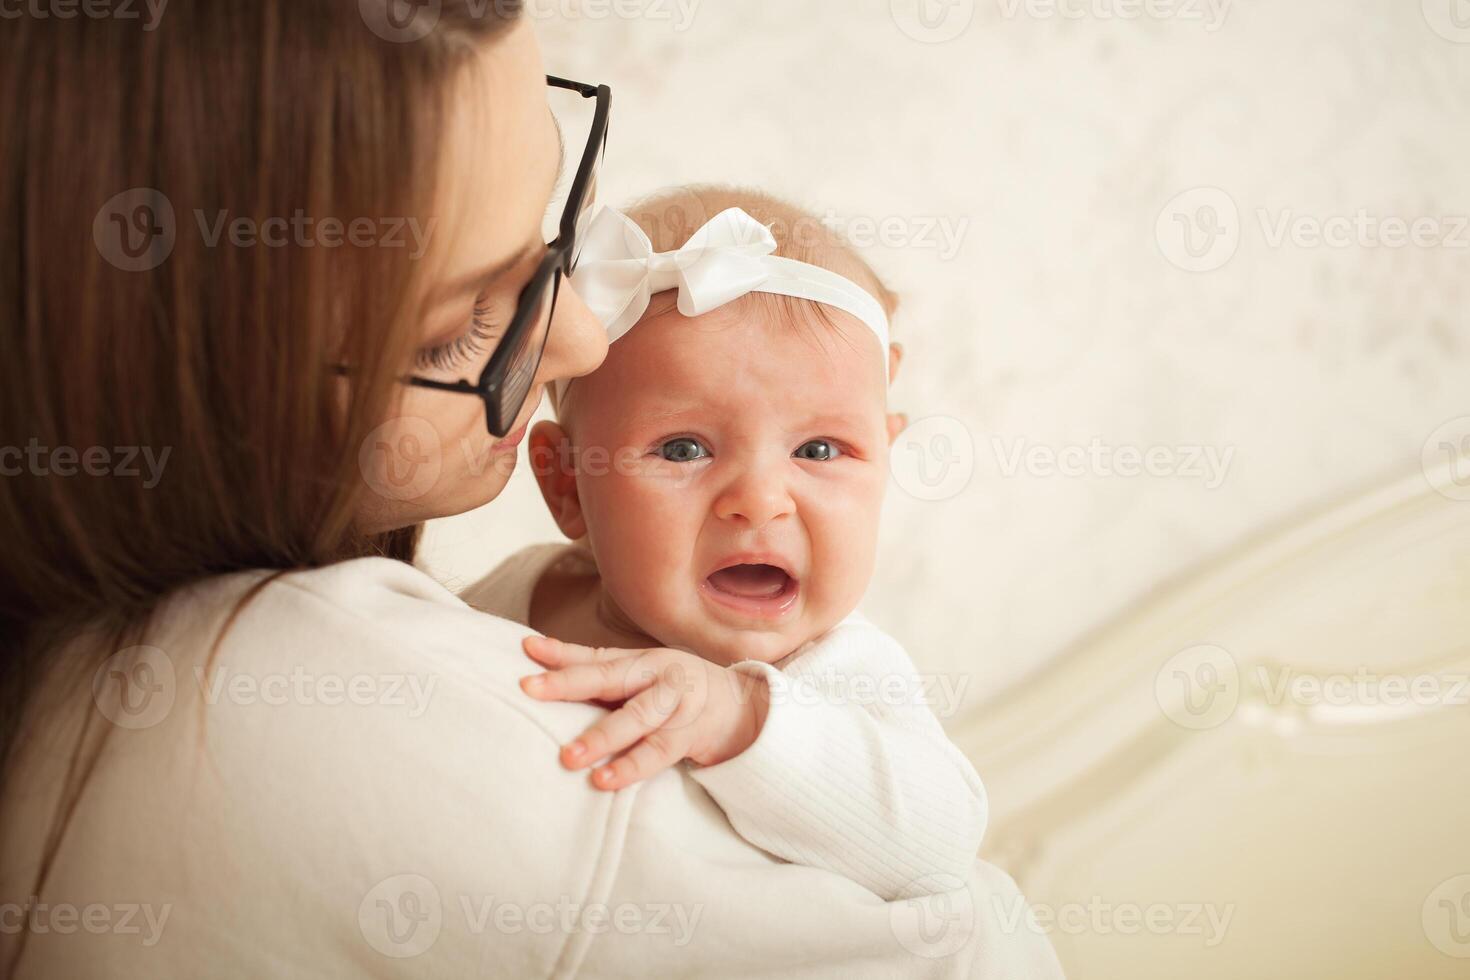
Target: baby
[721,477]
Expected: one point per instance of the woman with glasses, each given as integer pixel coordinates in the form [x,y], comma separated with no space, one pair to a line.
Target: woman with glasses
[242,735]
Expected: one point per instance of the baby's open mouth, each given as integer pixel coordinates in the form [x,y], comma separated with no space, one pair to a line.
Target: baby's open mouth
[765,591]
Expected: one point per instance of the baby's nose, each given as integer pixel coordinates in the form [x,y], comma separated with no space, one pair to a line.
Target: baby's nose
[756,498]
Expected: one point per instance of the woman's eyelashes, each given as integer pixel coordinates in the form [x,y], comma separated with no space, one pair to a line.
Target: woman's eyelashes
[687,449]
[467,347]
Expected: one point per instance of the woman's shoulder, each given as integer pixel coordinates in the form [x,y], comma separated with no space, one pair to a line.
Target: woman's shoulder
[376,602]
[364,625]
[356,743]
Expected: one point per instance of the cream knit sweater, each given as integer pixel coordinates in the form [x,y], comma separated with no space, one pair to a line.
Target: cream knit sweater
[355,786]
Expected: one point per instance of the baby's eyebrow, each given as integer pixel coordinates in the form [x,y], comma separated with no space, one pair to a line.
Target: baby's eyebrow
[813,424]
[661,415]
[834,419]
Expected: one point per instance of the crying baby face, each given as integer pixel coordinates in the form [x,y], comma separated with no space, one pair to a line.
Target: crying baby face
[730,472]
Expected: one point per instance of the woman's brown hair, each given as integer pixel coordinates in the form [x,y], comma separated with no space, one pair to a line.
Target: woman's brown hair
[136,327]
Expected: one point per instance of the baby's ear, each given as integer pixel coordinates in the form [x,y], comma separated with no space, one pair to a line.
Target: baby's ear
[556,474]
[897,421]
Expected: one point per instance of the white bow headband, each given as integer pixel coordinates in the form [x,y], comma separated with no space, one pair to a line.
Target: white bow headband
[619,273]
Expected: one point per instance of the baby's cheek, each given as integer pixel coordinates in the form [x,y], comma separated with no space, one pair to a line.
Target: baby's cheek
[844,545]
[648,549]
[835,594]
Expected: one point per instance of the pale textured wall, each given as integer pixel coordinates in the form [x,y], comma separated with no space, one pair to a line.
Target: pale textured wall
[1057,144]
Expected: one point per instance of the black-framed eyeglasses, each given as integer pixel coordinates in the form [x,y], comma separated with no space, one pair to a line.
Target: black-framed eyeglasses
[506,380]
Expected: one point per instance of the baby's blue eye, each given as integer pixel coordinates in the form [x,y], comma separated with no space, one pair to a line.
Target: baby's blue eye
[821,451]
[683,450]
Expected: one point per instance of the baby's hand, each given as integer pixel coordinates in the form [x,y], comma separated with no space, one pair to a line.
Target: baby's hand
[673,706]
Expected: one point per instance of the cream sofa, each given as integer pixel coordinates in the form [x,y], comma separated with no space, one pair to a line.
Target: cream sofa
[1264,771]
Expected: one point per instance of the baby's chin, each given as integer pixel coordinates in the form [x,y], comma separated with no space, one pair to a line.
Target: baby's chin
[724,644]
[725,636]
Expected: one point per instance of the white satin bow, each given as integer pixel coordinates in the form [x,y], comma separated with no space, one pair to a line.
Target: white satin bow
[618,272]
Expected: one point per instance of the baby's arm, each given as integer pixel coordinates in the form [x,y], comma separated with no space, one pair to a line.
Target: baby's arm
[858,780]
[805,763]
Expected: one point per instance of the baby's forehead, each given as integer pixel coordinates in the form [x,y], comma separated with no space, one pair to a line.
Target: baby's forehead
[750,349]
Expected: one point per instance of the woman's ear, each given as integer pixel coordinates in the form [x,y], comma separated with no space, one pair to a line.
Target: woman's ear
[552,461]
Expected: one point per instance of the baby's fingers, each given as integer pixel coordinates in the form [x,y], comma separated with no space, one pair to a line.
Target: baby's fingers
[649,757]
[559,653]
[606,680]
[640,716]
